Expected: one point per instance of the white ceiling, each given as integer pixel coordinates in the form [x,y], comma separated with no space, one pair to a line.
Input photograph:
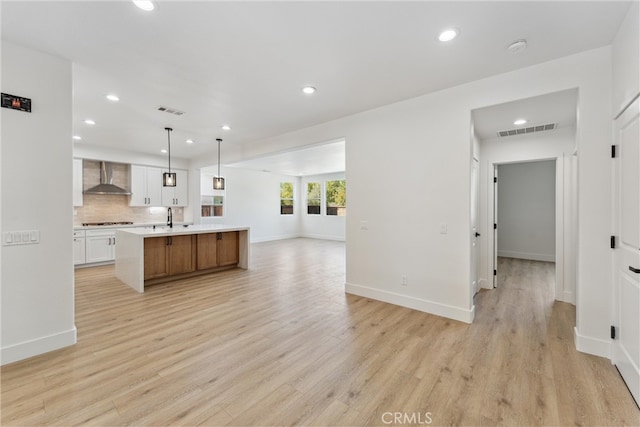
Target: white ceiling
[315,160]
[558,107]
[243,63]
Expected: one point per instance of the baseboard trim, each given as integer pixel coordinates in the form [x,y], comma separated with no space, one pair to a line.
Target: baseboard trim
[24,350]
[590,345]
[274,238]
[444,310]
[568,297]
[527,255]
[323,237]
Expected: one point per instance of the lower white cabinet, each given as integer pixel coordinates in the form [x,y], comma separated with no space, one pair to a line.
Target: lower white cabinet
[79,254]
[100,245]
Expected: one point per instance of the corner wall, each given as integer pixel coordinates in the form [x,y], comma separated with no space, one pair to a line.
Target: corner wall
[37,293]
[423,147]
[252,198]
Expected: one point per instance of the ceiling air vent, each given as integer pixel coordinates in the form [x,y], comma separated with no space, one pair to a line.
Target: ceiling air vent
[530,129]
[170,110]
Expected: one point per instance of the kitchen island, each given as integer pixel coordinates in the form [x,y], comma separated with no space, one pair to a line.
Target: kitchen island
[146,256]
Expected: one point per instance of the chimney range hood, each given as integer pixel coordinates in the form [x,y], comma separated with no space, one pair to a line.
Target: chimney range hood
[106,185]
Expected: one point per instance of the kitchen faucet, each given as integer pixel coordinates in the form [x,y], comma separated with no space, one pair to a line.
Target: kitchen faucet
[170,218]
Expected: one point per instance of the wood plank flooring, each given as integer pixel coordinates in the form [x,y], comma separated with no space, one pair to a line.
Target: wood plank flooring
[282,344]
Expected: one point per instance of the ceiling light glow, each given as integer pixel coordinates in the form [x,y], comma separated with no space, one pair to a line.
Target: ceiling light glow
[163,150]
[519,122]
[77,137]
[308,90]
[112,97]
[448,35]
[225,127]
[145,5]
[189,141]
[90,122]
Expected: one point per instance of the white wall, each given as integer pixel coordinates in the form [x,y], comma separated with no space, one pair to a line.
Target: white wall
[423,145]
[321,226]
[252,198]
[626,60]
[37,280]
[527,210]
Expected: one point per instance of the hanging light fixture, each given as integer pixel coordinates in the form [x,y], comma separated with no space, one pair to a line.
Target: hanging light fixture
[218,181]
[168,178]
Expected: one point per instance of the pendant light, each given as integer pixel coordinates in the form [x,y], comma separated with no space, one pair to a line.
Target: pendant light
[168,178]
[218,181]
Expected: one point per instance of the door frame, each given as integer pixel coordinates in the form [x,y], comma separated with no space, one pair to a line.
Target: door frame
[562,200]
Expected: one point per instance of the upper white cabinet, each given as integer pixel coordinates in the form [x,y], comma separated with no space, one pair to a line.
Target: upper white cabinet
[77,182]
[625,52]
[146,186]
[178,195]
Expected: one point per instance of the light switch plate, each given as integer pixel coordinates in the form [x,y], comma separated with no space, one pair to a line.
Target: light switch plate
[26,237]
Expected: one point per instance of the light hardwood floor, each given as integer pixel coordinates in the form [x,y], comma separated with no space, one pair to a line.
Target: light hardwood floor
[281,344]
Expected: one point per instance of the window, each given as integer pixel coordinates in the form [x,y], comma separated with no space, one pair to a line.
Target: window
[336,197]
[286,198]
[314,194]
[212,206]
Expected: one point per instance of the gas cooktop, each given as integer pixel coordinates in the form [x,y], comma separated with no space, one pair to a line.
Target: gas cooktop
[98,224]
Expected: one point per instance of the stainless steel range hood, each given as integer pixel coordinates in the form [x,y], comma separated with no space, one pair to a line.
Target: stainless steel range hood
[106,185]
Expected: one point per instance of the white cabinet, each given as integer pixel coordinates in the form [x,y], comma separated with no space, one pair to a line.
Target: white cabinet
[178,195]
[77,182]
[146,186]
[79,247]
[100,245]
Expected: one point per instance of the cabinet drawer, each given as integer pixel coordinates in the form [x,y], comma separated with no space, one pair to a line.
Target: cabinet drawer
[78,233]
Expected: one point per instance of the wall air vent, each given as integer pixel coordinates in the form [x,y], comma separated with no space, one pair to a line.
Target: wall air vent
[170,110]
[529,129]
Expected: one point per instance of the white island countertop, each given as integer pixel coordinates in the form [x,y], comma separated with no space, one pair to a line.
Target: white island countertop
[181,229]
[130,254]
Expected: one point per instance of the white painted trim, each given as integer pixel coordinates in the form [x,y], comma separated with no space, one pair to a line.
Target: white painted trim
[448,311]
[273,238]
[590,345]
[568,296]
[484,284]
[323,237]
[27,349]
[527,255]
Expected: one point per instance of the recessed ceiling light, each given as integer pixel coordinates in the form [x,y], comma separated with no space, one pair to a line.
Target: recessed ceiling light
[189,141]
[77,137]
[145,5]
[517,46]
[163,151]
[308,90]
[448,35]
[519,122]
[225,127]
[89,122]
[112,97]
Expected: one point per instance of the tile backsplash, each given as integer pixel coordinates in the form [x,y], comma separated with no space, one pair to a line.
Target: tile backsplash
[115,208]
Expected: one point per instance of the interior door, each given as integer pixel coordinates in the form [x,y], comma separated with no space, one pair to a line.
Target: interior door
[627,252]
[474,225]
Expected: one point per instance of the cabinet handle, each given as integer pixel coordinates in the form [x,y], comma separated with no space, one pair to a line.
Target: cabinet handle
[167,241]
[114,241]
[635,270]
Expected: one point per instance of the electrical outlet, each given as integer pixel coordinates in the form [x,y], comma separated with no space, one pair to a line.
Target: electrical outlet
[444,228]
[404,281]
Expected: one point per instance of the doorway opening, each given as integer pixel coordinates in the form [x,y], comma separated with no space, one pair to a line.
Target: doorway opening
[524,216]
